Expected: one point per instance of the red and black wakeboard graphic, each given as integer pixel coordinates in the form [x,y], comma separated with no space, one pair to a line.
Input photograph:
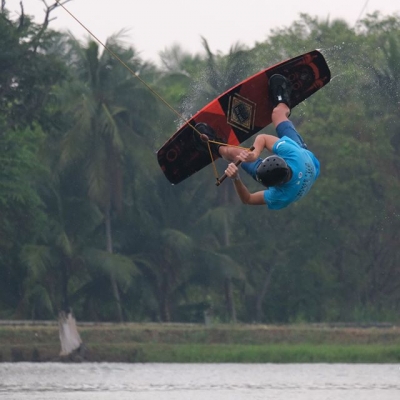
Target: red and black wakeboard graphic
[239,113]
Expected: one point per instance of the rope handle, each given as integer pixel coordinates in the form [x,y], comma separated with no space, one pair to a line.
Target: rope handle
[224,176]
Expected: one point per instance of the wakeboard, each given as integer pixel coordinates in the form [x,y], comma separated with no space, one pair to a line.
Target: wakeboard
[239,113]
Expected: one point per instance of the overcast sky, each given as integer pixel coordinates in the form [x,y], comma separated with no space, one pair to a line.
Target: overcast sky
[157,24]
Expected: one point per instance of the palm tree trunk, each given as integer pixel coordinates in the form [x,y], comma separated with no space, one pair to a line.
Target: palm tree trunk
[64,285]
[229,300]
[261,296]
[164,295]
[109,248]
[230,304]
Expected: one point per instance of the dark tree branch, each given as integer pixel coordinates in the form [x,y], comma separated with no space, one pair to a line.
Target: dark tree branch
[22,17]
[49,9]
[47,20]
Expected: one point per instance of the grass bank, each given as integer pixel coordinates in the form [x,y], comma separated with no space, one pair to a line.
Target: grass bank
[198,343]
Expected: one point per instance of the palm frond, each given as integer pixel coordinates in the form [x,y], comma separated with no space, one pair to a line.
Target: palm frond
[37,258]
[122,268]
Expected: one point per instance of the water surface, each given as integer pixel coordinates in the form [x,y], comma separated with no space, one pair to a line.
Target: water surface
[106,381]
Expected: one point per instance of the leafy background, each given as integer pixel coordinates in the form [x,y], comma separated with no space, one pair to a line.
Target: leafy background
[89,222]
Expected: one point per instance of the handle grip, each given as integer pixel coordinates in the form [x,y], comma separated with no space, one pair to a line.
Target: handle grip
[224,176]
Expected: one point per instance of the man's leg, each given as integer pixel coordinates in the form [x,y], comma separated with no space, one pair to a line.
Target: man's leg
[280,89]
[229,153]
[285,127]
[280,114]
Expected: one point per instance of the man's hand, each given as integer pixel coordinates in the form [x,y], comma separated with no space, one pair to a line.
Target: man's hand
[247,156]
[245,196]
[232,171]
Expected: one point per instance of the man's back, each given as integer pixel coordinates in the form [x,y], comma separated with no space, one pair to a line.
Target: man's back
[305,170]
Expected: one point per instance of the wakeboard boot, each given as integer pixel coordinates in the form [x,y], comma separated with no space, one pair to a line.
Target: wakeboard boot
[280,89]
[203,133]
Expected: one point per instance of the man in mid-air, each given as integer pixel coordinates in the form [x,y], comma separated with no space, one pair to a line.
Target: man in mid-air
[289,173]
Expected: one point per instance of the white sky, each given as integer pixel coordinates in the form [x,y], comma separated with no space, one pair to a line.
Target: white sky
[155,25]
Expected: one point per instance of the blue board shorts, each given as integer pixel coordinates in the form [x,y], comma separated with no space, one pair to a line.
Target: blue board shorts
[285,128]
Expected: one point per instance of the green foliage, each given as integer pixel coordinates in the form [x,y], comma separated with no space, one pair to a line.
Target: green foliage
[87,219]
[22,214]
[300,353]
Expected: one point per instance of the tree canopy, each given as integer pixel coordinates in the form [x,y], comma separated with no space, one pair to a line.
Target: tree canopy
[88,221]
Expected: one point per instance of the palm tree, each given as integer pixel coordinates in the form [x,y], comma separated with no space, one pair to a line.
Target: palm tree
[222,72]
[217,74]
[111,112]
[59,264]
[57,257]
[171,268]
[163,247]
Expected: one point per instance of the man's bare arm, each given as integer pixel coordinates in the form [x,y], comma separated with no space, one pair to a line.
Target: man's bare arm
[262,142]
[245,196]
[253,199]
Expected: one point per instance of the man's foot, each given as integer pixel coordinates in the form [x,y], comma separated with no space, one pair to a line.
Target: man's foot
[280,89]
[203,134]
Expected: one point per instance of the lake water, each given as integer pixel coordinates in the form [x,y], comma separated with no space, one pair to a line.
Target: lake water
[106,381]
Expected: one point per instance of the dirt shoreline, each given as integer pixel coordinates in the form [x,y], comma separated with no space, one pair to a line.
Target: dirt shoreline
[38,341]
